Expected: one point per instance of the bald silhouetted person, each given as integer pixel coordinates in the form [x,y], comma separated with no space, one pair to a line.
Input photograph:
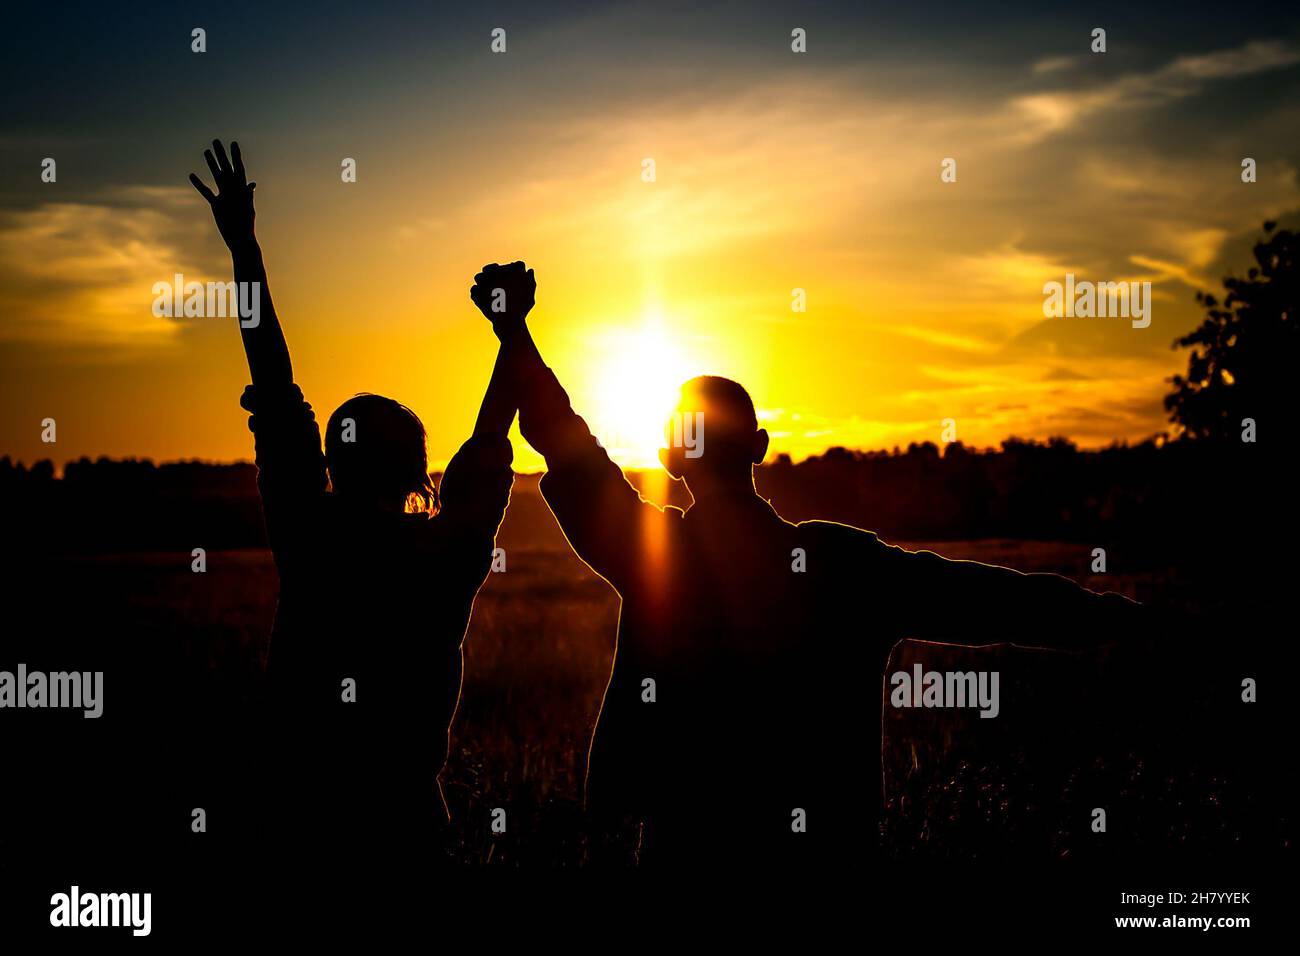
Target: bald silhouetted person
[741,723]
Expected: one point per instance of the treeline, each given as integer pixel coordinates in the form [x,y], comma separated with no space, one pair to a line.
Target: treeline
[1154,497]
[1037,490]
[130,505]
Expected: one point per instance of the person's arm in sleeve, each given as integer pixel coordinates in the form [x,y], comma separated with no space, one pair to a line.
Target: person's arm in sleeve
[291,472]
[966,602]
[473,496]
[475,488]
[602,515]
[291,475]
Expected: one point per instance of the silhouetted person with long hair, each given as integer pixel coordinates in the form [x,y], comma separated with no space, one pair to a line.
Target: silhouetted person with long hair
[378,574]
[746,684]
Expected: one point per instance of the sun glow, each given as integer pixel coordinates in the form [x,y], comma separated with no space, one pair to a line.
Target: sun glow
[642,370]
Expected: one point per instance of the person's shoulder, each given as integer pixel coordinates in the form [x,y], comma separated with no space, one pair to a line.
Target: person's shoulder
[673,517]
[850,546]
[832,532]
[480,455]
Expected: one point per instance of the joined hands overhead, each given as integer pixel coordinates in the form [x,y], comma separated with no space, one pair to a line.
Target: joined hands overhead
[505,295]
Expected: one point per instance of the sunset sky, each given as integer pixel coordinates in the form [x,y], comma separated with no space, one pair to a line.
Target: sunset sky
[774,171]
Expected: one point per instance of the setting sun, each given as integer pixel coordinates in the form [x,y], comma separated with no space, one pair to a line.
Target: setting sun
[642,370]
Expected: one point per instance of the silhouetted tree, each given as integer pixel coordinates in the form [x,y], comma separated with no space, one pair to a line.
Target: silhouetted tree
[1244,353]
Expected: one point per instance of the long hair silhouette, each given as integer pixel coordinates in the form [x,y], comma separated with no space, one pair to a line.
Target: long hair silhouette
[378,573]
[391,466]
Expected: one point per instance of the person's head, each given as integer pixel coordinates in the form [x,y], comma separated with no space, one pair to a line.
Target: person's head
[713,436]
[375,452]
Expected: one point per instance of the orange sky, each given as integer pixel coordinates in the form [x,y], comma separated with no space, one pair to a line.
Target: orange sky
[924,298]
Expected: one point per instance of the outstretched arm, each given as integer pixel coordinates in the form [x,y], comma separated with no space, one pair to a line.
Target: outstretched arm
[232,208]
[967,602]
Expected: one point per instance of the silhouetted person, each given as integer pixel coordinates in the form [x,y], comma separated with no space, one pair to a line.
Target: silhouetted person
[378,574]
[765,641]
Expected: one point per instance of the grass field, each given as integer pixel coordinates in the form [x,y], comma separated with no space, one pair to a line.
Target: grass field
[538,653]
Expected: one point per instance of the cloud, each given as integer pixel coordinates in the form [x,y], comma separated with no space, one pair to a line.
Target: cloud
[1057,64]
[925,297]
[1172,270]
[1254,57]
[82,272]
[1061,374]
[1047,113]
[963,343]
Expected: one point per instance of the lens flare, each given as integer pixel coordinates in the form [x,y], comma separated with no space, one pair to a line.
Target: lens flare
[641,372]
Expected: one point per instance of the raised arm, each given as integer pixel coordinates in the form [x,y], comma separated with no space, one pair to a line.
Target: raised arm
[602,515]
[510,308]
[505,295]
[475,487]
[291,475]
[232,208]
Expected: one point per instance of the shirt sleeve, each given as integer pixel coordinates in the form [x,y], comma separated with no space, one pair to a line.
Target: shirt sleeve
[966,602]
[610,526]
[291,476]
[473,495]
